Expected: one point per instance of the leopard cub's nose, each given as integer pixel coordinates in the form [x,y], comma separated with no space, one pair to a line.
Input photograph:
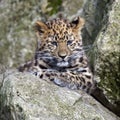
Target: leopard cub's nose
[62,56]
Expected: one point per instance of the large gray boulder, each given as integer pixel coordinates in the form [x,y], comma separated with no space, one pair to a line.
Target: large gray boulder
[107,60]
[102,36]
[26,97]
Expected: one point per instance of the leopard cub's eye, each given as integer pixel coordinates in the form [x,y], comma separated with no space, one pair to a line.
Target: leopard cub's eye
[69,42]
[54,43]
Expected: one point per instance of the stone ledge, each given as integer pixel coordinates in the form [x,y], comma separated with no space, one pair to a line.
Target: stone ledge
[24,96]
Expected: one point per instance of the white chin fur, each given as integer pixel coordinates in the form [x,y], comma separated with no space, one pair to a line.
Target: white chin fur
[62,64]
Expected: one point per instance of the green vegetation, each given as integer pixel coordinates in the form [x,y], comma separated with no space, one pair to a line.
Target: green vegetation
[54,5]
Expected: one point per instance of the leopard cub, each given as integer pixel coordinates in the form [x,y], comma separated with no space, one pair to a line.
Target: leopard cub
[60,56]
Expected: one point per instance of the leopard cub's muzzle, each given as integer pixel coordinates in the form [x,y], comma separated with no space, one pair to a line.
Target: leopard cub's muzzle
[62,51]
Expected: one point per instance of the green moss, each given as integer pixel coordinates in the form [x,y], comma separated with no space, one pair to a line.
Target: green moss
[54,5]
[110,75]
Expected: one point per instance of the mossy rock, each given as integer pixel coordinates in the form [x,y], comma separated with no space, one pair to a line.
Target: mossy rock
[108,55]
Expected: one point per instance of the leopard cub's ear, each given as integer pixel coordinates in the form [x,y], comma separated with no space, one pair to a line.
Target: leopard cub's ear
[40,27]
[77,23]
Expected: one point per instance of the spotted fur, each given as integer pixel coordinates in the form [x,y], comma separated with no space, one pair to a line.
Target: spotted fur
[60,56]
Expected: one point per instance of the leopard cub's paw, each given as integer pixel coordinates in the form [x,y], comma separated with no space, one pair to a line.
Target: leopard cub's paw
[36,71]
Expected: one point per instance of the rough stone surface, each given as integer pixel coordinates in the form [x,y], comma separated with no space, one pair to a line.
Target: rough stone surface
[102,34]
[71,8]
[108,55]
[25,97]
[17,36]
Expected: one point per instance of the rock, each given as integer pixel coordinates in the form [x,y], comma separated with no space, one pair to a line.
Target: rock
[17,37]
[26,97]
[108,61]
[71,8]
[95,13]
[101,33]
[96,16]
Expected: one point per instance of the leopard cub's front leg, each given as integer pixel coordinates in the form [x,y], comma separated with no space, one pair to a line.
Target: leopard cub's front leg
[31,67]
[69,79]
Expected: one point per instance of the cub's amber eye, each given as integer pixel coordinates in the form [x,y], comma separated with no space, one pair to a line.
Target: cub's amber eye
[69,42]
[54,43]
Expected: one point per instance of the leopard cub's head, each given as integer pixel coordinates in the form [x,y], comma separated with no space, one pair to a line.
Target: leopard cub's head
[60,39]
